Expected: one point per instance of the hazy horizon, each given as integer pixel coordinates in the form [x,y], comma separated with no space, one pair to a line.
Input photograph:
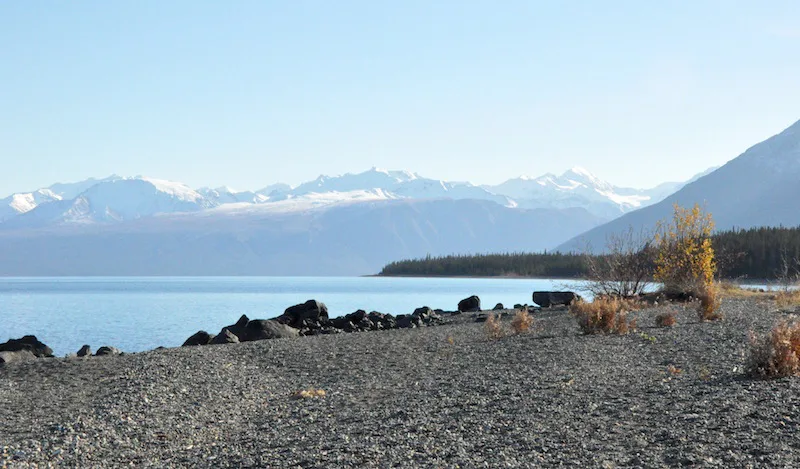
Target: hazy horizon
[248,93]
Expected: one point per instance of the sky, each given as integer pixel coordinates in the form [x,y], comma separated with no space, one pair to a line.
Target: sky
[249,93]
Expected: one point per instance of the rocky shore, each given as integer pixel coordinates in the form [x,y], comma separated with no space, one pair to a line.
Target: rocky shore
[445,396]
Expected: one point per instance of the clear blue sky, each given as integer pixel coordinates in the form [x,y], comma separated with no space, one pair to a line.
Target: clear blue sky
[247,93]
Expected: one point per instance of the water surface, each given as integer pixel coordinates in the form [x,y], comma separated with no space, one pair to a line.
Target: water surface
[141,313]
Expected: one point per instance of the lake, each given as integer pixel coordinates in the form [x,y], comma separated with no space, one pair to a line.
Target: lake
[142,313]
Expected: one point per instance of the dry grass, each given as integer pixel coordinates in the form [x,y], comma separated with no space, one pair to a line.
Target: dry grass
[666,319]
[710,300]
[522,322]
[787,298]
[309,393]
[605,315]
[776,354]
[674,370]
[729,289]
[493,327]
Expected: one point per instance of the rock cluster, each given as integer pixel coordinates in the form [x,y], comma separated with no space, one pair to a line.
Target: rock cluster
[311,318]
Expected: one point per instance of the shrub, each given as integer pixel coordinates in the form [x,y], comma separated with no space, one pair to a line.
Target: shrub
[787,298]
[684,255]
[776,354]
[666,319]
[493,327]
[606,315]
[708,309]
[522,322]
[623,268]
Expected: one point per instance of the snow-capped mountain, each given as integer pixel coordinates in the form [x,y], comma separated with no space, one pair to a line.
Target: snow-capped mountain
[577,187]
[16,204]
[115,200]
[399,184]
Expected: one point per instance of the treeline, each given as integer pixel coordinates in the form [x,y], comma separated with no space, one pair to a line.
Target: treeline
[491,265]
[757,253]
[761,253]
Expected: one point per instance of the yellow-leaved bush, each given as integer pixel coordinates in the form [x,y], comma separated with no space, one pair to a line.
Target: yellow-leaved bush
[685,257]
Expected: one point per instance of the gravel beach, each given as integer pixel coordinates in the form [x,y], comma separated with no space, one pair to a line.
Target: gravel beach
[444,396]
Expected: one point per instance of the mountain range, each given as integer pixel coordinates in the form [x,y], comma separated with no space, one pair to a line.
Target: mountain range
[355,223]
[118,199]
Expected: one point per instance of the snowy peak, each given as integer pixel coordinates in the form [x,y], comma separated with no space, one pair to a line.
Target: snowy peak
[404,184]
[70,190]
[577,187]
[24,202]
[374,178]
[117,200]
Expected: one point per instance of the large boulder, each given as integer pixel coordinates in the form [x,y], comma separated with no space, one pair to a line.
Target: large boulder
[29,343]
[107,350]
[425,316]
[261,329]
[198,338]
[16,356]
[311,312]
[498,307]
[382,321]
[343,324]
[225,336]
[469,305]
[240,328]
[85,351]
[361,320]
[546,299]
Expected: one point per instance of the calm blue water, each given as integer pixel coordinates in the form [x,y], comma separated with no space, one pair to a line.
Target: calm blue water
[142,313]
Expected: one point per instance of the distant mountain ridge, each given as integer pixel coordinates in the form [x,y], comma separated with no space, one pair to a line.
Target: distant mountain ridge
[115,198]
[757,188]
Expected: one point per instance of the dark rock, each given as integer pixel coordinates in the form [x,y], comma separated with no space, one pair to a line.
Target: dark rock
[357,316]
[470,305]
[85,351]
[425,316]
[310,310]
[29,343]
[546,299]
[240,328]
[407,322]
[498,306]
[225,336]
[518,306]
[382,321]
[343,324]
[243,320]
[199,338]
[261,329]
[16,356]
[107,350]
